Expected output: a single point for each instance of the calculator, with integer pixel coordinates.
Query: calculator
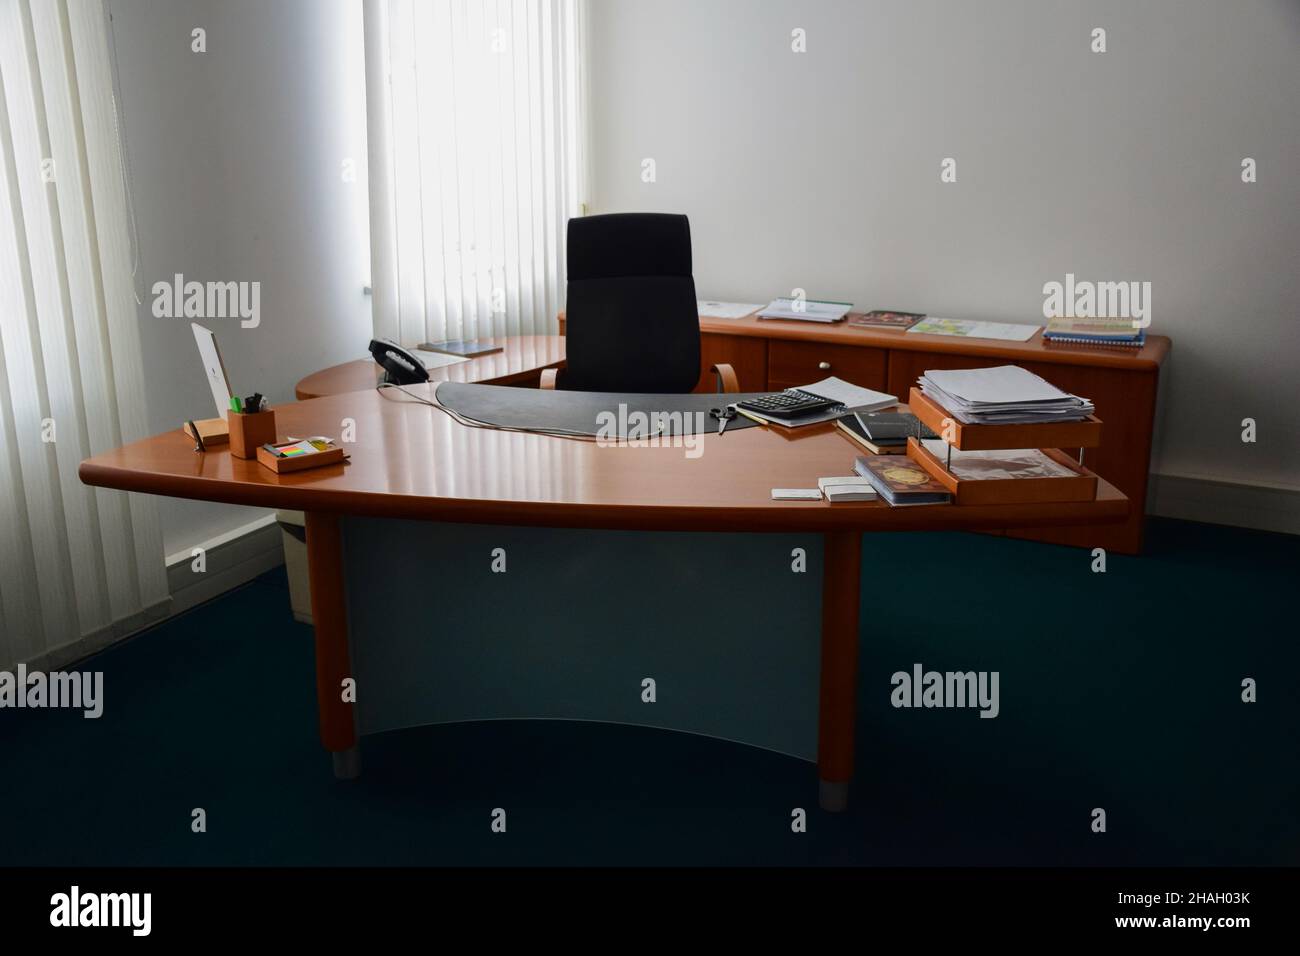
(792, 403)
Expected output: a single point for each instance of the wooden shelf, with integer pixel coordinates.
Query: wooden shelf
(1084, 434)
(1082, 486)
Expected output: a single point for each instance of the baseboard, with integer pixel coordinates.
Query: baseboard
(62, 657)
(1262, 507)
(231, 559)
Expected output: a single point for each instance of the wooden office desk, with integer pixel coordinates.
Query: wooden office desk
(520, 363)
(412, 461)
(1121, 382)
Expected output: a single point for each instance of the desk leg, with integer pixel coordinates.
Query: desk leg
(841, 580)
(329, 614)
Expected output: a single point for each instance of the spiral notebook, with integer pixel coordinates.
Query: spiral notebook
(1107, 333)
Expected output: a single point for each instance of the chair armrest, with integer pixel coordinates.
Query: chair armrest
(727, 381)
(549, 375)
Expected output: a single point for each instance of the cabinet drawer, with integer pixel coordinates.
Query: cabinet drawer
(744, 353)
(790, 364)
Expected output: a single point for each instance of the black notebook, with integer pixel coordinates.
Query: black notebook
(893, 428)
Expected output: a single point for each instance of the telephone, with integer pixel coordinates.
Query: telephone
(400, 366)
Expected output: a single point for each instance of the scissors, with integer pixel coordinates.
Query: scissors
(723, 415)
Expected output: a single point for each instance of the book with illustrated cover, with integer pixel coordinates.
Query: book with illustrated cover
(882, 319)
(901, 481)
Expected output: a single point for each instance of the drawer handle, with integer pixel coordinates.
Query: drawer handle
(824, 366)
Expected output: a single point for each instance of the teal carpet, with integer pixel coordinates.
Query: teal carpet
(1118, 690)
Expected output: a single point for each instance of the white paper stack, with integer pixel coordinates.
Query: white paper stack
(1005, 395)
(848, 488)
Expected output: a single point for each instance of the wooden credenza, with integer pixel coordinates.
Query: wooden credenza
(1121, 382)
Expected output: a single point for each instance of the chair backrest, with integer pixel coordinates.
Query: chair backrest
(632, 323)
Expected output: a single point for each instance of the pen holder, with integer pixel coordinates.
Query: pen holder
(248, 432)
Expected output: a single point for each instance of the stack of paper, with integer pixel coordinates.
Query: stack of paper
(1005, 395)
(806, 310)
(848, 488)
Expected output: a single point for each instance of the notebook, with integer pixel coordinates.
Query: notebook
(806, 310)
(880, 319)
(901, 481)
(891, 427)
(1114, 333)
(847, 397)
(851, 427)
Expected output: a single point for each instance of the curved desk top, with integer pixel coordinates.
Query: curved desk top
(523, 358)
(413, 461)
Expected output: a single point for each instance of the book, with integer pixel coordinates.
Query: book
(462, 347)
(806, 310)
(901, 481)
(850, 427)
(1105, 332)
(893, 427)
(848, 488)
(1136, 343)
(968, 328)
(880, 319)
(725, 310)
(846, 396)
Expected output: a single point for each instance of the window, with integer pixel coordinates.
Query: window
(476, 163)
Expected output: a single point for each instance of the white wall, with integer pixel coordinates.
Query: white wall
(821, 170)
(236, 159)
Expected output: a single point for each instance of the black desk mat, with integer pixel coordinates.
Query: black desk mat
(580, 412)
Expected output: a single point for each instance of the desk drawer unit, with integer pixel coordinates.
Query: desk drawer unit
(791, 364)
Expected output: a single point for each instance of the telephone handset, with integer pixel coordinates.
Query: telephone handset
(400, 366)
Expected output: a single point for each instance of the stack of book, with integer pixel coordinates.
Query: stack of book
(1109, 333)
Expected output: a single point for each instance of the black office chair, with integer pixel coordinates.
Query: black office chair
(632, 324)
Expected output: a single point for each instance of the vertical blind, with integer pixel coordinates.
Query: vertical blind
(476, 163)
(74, 561)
